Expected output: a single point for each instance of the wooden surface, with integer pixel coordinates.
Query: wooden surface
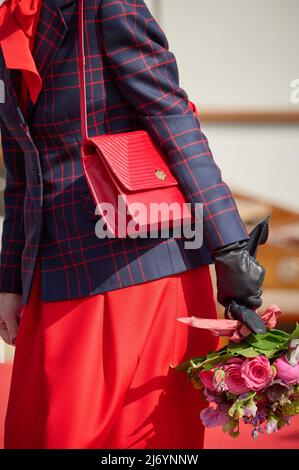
(280, 256)
(245, 117)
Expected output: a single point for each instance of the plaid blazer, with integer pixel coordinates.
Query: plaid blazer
(132, 83)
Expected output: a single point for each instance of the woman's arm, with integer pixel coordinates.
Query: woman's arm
(13, 235)
(147, 74)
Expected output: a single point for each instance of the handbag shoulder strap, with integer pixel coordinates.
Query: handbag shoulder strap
(82, 81)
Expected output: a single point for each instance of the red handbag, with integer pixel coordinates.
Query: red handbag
(126, 170)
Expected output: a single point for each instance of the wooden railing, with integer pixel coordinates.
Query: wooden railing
(247, 117)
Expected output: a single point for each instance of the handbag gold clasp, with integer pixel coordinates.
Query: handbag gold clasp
(161, 175)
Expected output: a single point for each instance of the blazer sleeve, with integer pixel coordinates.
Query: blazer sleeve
(12, 235)
(147, 74)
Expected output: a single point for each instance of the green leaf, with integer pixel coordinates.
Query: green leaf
(230, 396)
(241, 350)
(268, 353)
(236, 410)
(216, 353)
(295, 333)
(271, 345)
(235, 349)
(202, 362)
(249, 352)
(210, 363)
(183, 366)
(232, 428)
(274, 339)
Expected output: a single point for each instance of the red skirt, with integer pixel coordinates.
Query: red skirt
(95, 372)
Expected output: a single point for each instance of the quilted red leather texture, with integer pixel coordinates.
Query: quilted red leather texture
(125, 165)
(134, 160)
(133, 157)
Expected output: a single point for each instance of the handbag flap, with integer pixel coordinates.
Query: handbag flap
(135, 160)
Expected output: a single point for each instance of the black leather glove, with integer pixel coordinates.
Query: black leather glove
(239, 275)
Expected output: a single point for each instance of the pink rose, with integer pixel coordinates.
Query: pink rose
(233, 377)
(257, 373)
(207, 379)
(286, 372)
(270, 316)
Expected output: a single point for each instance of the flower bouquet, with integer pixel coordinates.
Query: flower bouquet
(255, 378)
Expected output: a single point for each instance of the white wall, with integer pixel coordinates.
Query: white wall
(235, 53)
(261, 161)
(149, 4)
(241, 54)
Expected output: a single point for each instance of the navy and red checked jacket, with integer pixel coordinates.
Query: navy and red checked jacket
(132, 83)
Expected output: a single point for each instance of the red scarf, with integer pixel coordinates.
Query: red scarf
(18, 22)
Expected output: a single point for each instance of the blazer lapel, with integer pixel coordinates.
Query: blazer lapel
(51, 29)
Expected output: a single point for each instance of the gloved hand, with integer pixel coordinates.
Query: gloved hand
(239, 275)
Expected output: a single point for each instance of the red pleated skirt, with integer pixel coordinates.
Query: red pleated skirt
(95, 372)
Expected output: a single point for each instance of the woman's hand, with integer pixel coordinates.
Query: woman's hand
(239, 276)
(10, 309)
